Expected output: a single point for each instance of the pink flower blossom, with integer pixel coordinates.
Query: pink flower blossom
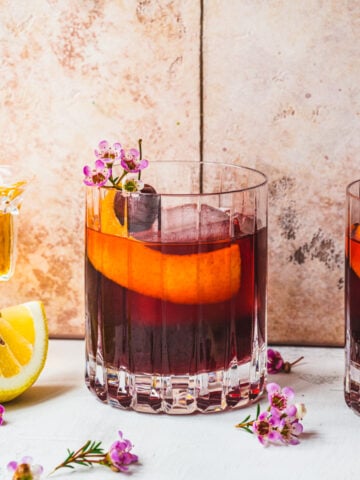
(108, 154)
(131, 185)
(276, 364)
(98, 176)
(2, 411)
(131, 162)
(279, 398)
(265, 428)
(280, 423)
(275, 361)
(120, 455)
(289, 426)
(25, 469)
(108, 159)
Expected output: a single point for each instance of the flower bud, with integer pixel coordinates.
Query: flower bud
(23, 472)
(300, 410)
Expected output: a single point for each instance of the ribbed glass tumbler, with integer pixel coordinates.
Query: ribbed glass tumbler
(352, 297)
(176, 285)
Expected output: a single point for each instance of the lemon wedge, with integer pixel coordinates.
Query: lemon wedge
(23, 347)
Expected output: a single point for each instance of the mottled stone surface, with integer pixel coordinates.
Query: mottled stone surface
(73, 73)
(287, 97)
(281, 93)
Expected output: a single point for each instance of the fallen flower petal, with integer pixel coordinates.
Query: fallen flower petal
(2, 411)
(275, 361)
(276, 364)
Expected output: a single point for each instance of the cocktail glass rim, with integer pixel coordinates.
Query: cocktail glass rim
(349, 187)
(255, 186)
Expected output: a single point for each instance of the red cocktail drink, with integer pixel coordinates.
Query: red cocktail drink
(176, 313)
(352, 307)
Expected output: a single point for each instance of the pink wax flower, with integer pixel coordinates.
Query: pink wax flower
(276, 364)
(275, 361)
(280, 422)
(120, 456)
(25, 469)
(289, 426)
(265, 428)
(279, 398)
(97, 176)
(131, 185)
(105, 171)
(107, 153)
(2, 411)
(131, 162)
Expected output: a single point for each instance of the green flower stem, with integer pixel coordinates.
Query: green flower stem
(247, 423)
(122, 176)
(297, 361)
(140, 147)
(116, 181)
(140, 152)
(287, 365)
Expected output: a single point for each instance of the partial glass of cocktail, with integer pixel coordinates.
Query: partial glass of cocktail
(352, 297)
(12, 187)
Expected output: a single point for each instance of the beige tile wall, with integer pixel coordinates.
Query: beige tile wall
(282, 81)
(281, 93)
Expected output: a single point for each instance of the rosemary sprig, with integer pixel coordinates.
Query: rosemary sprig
(91, 452)
(118, 458)
(247, 423)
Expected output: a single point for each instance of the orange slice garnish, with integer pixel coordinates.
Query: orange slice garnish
(354, 245)
(108, 220)
(207, 277)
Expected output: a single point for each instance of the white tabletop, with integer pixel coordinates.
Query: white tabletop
(58, 413)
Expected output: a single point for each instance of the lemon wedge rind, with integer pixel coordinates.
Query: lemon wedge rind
(24, 375)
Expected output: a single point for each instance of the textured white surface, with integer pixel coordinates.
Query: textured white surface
(58, 413)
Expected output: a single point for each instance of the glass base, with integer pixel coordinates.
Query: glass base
(238, 386)
(352, 387)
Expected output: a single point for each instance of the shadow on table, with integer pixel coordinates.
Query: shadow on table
(38, 394)
(309, 435)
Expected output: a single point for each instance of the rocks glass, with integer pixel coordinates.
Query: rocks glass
(352, 297)
(176, 286)
(12, 187)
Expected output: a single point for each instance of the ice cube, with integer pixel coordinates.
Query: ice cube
(192, 223)
(243, 224)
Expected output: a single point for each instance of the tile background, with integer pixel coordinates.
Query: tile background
(280, 92)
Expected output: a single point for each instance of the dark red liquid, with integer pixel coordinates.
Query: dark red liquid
(352, 299)
(149, 335)
(352, 310)
(353, 305)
